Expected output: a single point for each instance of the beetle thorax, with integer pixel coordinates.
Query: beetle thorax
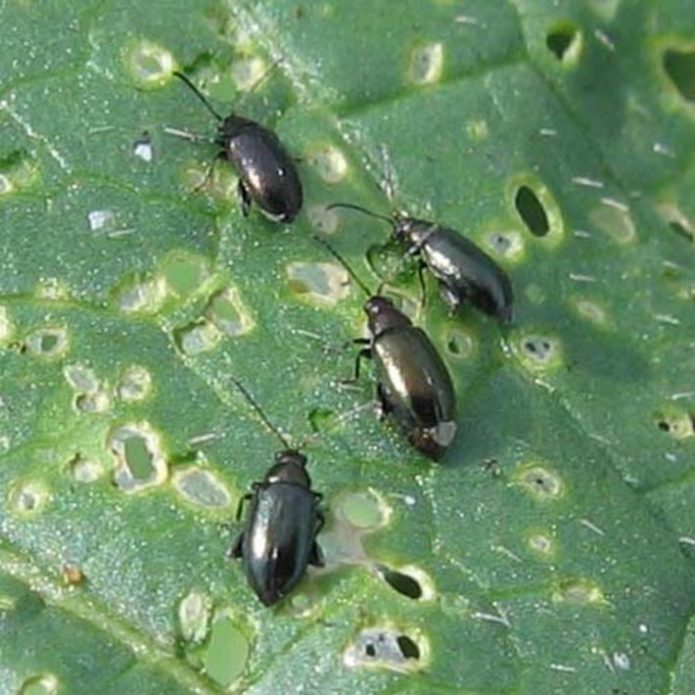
(230, 128)
(382, 315)
(290, 467)
(414, 232)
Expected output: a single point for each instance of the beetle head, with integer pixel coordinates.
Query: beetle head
(290, 467)
(382, 314)
(402, 225)
(408, 229)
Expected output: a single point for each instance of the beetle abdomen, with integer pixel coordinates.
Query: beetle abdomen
(278, 541)
(417, 387)
(267, 170)
(468, 273)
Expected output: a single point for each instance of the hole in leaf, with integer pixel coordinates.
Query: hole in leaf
(386, 648)
(539, 348)
(402, 583)
(140, 462)
(363, 510)
(676, 423)
(531, 211)
(226, 652)
(541, 482)
(562, 40)
(680, 67)
(138, 457)
(43, 684)
(408, 647)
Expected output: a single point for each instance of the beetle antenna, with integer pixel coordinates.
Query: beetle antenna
(260, 412)
(359, 208)
(257, 83)
(345, 265)
(198, 93)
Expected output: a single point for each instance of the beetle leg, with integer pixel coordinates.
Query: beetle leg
(321, 520)
(245, 198)
(423, 289)
(236, 549)
(383, 405)
(449, 296)
(208, 172)
(240, 508)
(362, 354)
(316, 555)
(357, 341)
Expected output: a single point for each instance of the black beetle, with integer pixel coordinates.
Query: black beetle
(464, 271)
(267, 173)
(279, 539)
(413, 384)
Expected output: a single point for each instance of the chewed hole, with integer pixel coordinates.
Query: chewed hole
(81, 378)
(139, 460)
(202, 488)
(578, 591)
(150, 64)
(426, 63)
(85, 470)
(247, 72)
(142, 296)
(387, 648)
(459, 343)
(615, 220)
(541, 543)
(135, 384)
(48, 342)
(41, 684)
(408, 647)
(227, 651)
(539, 352)
(197, 337)
(677, 424)
(363, 510)
(29, 497)
(329, 162)
(531, 211)
(507, 243)
(184, 273)
(323, 220)
(194, 616)
(227, 311)
(539, 348)
(680, 68)
(98, 402)
(564, 41)
(403, 583)
(326, 283)
(541, 481)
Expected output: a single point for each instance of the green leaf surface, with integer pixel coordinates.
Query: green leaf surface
(551, 551)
